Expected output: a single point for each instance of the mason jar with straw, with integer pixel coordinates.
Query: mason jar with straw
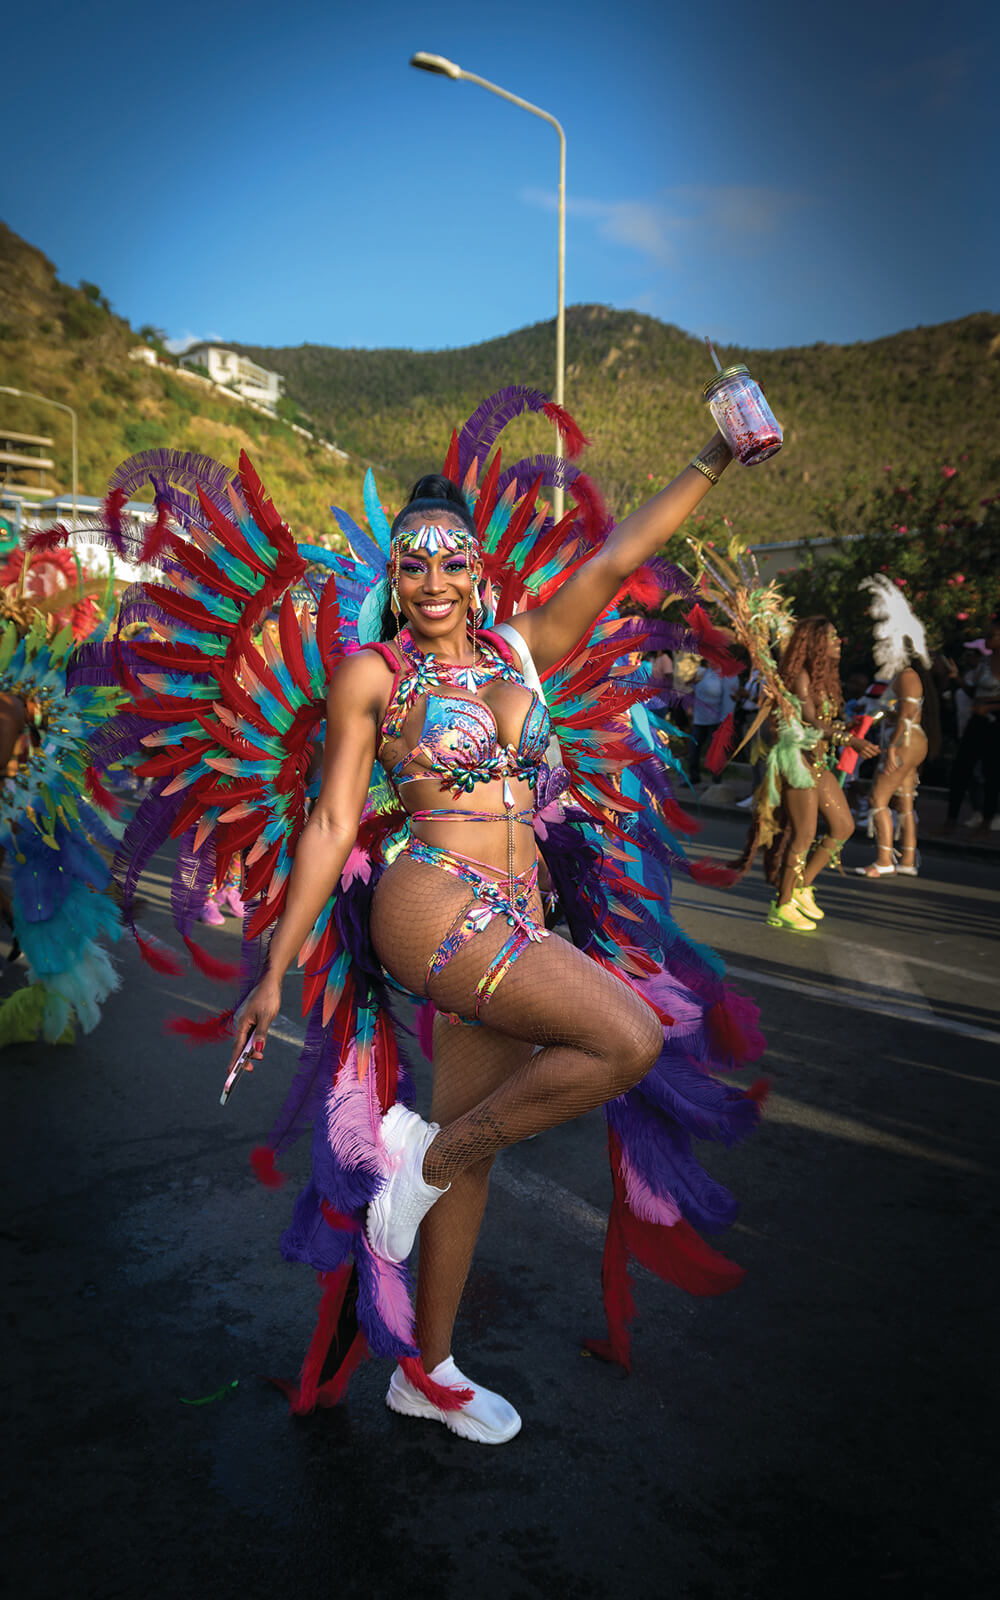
(742, 415)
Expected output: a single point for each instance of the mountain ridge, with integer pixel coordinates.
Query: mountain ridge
(913, 401)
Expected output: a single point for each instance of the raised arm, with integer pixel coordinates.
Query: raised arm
(354, 707)
(552, 630)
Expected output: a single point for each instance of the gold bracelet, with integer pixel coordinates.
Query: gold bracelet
(706, 472)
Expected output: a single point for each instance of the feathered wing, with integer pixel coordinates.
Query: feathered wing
(55, 822)
(225, 657)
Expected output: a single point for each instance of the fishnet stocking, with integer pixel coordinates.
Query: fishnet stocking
(559, 1036)
(597, 1037)
(469, 1063)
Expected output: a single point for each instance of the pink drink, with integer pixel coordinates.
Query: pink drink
(743, 416)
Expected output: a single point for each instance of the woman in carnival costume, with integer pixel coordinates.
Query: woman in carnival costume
(446, 780)
(57, 822)
(802, 702)
(910, 731)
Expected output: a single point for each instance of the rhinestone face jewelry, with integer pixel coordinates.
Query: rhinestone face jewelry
(431, 539)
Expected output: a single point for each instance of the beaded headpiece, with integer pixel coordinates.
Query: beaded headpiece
(430, 539)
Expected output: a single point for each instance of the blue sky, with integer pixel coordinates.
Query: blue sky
(774, 174)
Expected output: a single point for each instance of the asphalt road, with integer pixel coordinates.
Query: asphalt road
(824, 1431)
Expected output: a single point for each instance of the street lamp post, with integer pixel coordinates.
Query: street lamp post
(28, 394)
(448, 69)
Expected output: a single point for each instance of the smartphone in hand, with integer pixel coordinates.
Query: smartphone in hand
(239, 1065)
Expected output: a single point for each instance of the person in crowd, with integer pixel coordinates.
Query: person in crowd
(910, 727)
(980, 740)
(714, 698)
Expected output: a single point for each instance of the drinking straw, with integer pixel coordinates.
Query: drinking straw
(711, 351)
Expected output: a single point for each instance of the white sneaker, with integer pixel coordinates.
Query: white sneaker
(487, 1418)
(975, 821)
(744, 805)
(404, 1200)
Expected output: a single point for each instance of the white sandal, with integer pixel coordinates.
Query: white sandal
(875, 871)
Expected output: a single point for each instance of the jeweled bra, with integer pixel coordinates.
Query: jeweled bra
(460, 742)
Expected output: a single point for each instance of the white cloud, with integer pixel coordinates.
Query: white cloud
(723, 213)
(180, 344)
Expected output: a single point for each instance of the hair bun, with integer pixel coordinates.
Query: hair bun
(433, 486)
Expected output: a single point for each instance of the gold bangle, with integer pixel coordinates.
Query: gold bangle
(706, 472)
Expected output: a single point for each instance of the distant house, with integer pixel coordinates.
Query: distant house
(144, 352)
(236, 372)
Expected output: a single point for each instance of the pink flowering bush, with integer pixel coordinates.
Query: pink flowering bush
(945, 557)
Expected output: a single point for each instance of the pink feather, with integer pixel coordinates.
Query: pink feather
(353, 1119)
(642, 1201)
(392, 1297)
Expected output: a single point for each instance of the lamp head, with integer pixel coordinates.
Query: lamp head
(439, 64)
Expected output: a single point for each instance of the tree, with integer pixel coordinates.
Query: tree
(943, 553)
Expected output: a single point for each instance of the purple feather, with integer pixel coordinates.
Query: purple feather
(193, 875)
(487, 422)
(181, 468)
(384, 1309)
(309, 1237)
(309, 1088)
(148, 830)
(660, 1151)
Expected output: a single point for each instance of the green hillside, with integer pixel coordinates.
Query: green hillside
(914, 401)
(67, 344)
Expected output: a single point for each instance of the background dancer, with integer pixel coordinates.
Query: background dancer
(810, 667)
(910, 730)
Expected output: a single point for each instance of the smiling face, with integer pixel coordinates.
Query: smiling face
(435, 584)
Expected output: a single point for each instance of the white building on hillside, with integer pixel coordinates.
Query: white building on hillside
(236, 372)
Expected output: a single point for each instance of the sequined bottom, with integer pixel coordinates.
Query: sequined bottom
(492, 900)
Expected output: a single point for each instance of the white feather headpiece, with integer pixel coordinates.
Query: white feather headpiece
(899, 633)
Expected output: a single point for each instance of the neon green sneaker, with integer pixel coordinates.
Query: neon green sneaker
(806, 902)
(789, 917)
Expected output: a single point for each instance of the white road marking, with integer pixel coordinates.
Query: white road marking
(835, 1125)
(884, 970)
(557, 1203)
(875, 1001)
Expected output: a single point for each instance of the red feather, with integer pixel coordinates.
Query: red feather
(159, 958)
(305, 1395)
(264, 1169)
(677, 819)
(211, 1031)
(451, 459)
(221, 971)
(47, 538)
(733, 1031)
(113, 507)
(711, 873)
(718, 749)
(711, 644)
(574, 442)
(439, 1394)
(159, 535)
(487, 494)
(98, 792)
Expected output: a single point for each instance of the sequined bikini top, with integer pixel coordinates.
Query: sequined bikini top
(460, 742)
